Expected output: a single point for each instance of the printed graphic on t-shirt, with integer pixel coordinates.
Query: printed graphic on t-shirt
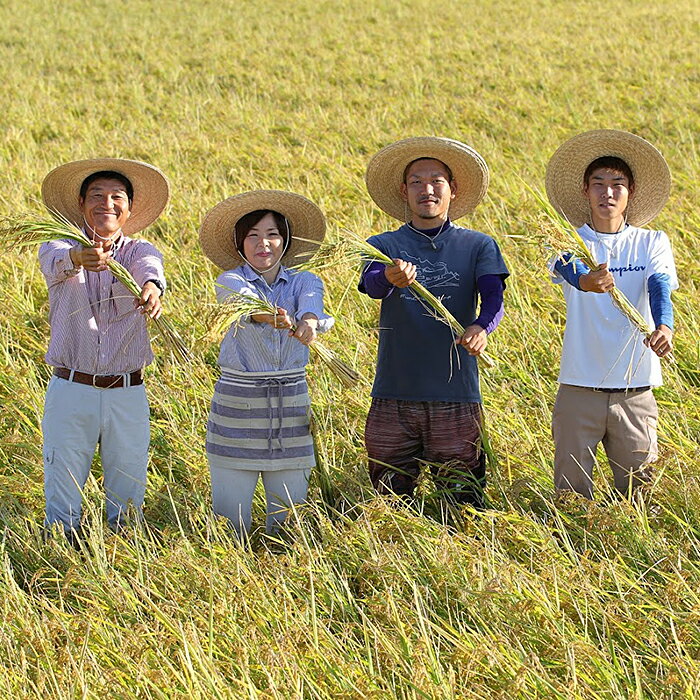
(619, 271)
(431, 275)
(601, 349)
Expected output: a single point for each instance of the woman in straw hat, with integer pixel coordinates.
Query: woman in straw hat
(610, 183)
(426, 403)
(259, 418)
(99, 343)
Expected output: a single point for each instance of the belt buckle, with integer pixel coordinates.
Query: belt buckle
(99, 377)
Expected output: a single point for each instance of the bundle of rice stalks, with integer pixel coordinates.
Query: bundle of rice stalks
(238, 307)
(560, 236)
(359, 247)
(24, 231)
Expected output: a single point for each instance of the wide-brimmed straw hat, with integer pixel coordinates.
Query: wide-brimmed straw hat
(306, 220)
(384, 175)
(61, 189)
(564, 181)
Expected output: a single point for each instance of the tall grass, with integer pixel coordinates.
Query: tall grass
(360, 599)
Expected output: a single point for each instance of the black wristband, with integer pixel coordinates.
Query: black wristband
(158, 284)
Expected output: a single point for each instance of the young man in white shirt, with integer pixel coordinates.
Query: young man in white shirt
(610, 183)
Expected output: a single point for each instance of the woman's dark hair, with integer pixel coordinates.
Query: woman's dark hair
(609, 163)
(108, 175)
(245, 223)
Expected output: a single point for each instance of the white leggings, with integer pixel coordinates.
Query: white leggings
(232, 494)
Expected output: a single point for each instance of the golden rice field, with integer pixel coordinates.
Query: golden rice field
(359, 599)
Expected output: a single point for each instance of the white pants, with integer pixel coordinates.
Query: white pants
(76, 419)
(232, 494)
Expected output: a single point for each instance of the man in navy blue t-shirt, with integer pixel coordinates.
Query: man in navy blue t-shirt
(426, 404)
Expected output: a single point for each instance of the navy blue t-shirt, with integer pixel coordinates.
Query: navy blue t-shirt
(417, 359)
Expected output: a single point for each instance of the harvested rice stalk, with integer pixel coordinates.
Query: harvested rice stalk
(25, 231)
(239, 306)
(558, 234)
(359, 247)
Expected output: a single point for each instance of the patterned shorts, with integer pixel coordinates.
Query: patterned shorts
(400, 435)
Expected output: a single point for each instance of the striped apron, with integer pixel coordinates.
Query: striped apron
(260, 421)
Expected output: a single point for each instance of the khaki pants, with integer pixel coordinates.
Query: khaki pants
(625, 422)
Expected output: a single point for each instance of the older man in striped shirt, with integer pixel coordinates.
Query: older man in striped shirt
(99, 342)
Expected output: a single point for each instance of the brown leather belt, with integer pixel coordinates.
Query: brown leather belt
(100, 381)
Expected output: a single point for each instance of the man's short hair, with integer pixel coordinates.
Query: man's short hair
(245, 223)
(108, 175)
(408, 167)
(609, 163)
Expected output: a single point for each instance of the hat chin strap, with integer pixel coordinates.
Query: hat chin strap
(261, 272)
(622, 225)
(116, 234)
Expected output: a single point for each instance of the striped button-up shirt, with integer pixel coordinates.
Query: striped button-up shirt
(95, 327)
(258, 347)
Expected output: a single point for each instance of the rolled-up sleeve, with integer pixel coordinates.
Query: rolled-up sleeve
(147, 264)
(310, 296)
(55, 261)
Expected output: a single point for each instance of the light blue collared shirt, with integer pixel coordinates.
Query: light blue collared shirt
(258, 347)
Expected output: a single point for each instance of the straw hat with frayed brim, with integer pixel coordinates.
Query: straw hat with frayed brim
(384, 175)
(306, 220)
(61, 189)
(652, 178)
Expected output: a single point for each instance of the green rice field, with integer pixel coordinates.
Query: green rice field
(358, 599)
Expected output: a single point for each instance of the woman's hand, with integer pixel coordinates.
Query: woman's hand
(279, 320)
(305, 332)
